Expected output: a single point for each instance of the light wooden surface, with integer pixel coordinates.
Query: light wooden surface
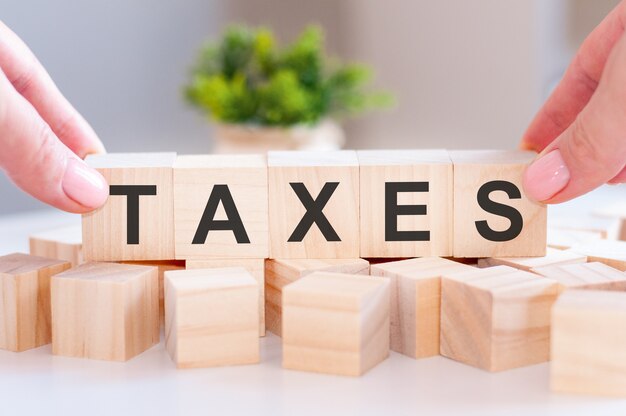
(562, 238)
(597, 276)
(211, 317)
(378, 167)
(608, 227)
(335, 323)
(615, 210)
(611, 253)
(105, 311)
(64, 243)
(553, 257)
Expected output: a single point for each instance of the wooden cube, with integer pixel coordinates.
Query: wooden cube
(406, 203)
(492, 215)
(607, 227)
(255, 267)
(25, 300)
(335, 323)
(611, 253)
(281, 272)
(552, 257)
(416, 302)
(65, 243)
(596, 276)
(615, 211)
(211, 317)
(496, 318)
(105, 311)
(562, 239)
(314, 204)
(220, 206)
(137, 221)
(589, 343)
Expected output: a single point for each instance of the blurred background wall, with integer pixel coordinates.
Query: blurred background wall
(467, 74)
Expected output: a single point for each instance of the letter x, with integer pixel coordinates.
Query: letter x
(314, 212)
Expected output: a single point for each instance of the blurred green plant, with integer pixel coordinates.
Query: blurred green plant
(247, 78)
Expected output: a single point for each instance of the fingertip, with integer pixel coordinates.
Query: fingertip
(84, 185)
(546, 176)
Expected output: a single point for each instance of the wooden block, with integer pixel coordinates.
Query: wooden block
(220, 206)
(615, 211)
(64, 243)
(492, 215)
(281, 272)
(416, 302)
(211, 317)
(137, 221)
(589, 343)
(496, 318)
(406, 203)
(595, 276)
(255, 267)
(552, 257)
(609, 228)
(562, 239)
(335, 323)
(25, 300)
(314, 204)
(105, 311)
(611, 253)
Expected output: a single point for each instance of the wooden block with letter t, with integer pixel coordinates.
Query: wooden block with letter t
(314, 204)
(137, 221)
(65, 243)
(406, 204)
(492, 215)
(220, 206)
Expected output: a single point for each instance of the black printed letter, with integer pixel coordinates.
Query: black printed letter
(132, 193)
(502, 210)
(233, 223)
(392, 210)
(314, 212)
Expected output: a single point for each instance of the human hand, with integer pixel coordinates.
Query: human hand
(581, 129)
(42, 137)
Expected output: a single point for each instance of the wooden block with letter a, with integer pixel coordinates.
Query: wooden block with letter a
(281, 272)
(406, 204)
(220, 206)
(65, 243)
(492, 215)
(314, 204)
(105, 311)
(596, 276)
(416, 302)
(496, 318)
(211, 317)
(611, 253)
(553, 257)
(588, 349)
(335, 323)
(255, 267)
(25, 300)
(137, 221)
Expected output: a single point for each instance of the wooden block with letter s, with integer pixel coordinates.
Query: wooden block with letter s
(64, 243)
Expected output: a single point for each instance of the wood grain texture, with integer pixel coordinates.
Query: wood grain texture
(314, 170)
(472, 169)
(416, 302)
(211, 317)
(335, 323)
(105, 311)
(378, 167)
(611, 253)
(25, 300)
(496, 318)
(281, 272)
(256, 268)
(553, 257)
(589, 343)
(105, 229)
(194, 180)
(562, 239)
(65, 243)
(596, 276)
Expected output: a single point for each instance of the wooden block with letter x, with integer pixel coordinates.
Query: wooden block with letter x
(596, 276)
(492, 215)
(406, 204)
(65, 243)
(137, 221)
(553, 257)
(314, 204)
(220, 206)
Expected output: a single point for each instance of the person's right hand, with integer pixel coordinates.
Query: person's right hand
(42, 137)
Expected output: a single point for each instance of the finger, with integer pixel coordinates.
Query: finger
(620, 178)
(34, 158)
(578, 84)
(32, 81)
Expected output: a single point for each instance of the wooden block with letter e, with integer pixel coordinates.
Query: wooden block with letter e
(335, 323)
(553, 257)
(220, 206)
(588, 349)
(611, 253)
(416, 302)
(137, 221)
(65, 243)
(281, 272)
(496, 318)
(492, 215)
(105, 311)
(406, 204)
(314, 204)
(255, 267)
(211, 317)
(596, 276)
(25, 300)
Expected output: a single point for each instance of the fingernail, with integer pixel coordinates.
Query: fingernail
(84, 184)
(546, 176)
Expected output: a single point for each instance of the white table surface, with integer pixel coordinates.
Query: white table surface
(37, 383)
